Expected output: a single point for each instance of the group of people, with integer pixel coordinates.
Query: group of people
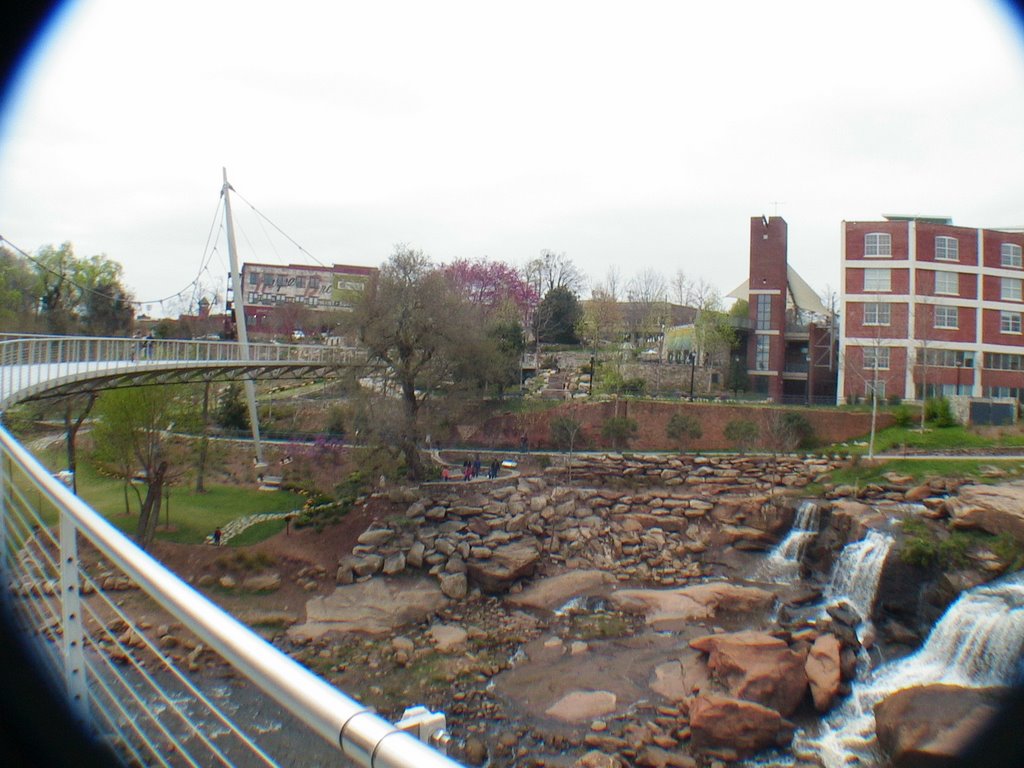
(472, 469)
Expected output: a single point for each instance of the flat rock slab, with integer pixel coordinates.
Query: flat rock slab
(371, 607)
(665, 608)
(579, 706)
(556, 591)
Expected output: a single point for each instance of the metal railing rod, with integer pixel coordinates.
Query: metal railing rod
(340, 720)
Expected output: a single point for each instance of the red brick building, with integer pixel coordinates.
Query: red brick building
(931, 309)
(791, 352)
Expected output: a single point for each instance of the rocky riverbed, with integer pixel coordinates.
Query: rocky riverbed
(625, 617)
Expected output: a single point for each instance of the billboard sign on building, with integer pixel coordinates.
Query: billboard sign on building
(319, 288)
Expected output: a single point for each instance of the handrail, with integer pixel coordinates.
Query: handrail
(30, 363)
(342, 721)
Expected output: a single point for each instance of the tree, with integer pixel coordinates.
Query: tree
(564, 432)
(557, 317)
(681, 288)
(554, 270)
(414, 326)
(742, 433)
(682, 428)
(129, 432)
(232, 412)
(104, 306)
(80, 406)
(619, 430)
(18, 297)
(492, 285)
(713, 330)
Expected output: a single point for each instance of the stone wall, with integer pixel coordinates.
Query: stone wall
(494, 534)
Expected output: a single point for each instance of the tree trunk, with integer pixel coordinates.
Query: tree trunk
(204, 442)
(71, 431)
(413, 465)
(150, 513)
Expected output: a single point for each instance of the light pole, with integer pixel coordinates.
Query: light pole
(959, 366)
(693, 370)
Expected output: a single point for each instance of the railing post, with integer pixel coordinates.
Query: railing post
(6, 479)
(71, 619)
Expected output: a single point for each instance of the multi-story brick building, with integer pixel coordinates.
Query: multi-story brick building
(790, 344)
(931, 309)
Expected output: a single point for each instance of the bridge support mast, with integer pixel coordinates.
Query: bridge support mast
(243, 335)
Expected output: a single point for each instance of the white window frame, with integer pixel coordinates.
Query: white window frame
(1009, 288)
(873, 281)
(944, 322)
(878, 245)
(947, 248)
(1009, 322)
(877, 387)
(879, 358)
(953, 277)
(1010, 256)
(877, 313)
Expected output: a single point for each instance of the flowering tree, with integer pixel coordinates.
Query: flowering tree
(492, 284)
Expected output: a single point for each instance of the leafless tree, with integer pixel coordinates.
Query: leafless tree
(554, 270)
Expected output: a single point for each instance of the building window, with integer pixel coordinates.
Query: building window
(877, 280)
(877, 244)
(1009, 288)
(764, 312)
(1014, 392)
(945, 358)
(1001, 361)
(1009, 255)
(876, 387)
(877, 313)
(268, 279)
(253, 278)
(947, 317)
(947, 282)
(761, 353)
(876, 358)
(1009, 322)
(947, 249)
(300, 282)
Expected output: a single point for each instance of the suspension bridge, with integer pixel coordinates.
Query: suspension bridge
(131, 694)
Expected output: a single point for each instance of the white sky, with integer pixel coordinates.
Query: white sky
(635, 134)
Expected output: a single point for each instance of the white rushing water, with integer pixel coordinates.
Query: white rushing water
(783, 562)
(857, 572)
(978, 642)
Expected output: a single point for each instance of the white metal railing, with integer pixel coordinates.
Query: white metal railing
(29, 364)
(133, 692)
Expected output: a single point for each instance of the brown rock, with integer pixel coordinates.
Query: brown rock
(993, 508)
(666, 607)
(757, 667)
(823, 671)
(555, 591)
(508, 563)
(932, 723)
(579, 706)
(595, 759)
(747, 727)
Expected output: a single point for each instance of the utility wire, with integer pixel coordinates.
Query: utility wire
(283, 233)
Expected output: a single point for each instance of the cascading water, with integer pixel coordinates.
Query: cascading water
(856, 573)
(978, 642)
(783, 562)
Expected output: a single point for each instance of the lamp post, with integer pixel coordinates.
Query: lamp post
(693, 369)
(959, 365)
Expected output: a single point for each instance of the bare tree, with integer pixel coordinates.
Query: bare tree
(681, 288)
(647, 287)
(553, 270)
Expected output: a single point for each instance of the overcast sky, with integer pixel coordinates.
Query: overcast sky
(633, 134)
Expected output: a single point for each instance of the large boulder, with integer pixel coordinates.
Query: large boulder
(756, 666)
(371, 607)
(507, 564)
(665, 608)
(993, 508)
(744, 726)
(823, 671)
(928, 724)
(582, 705)
(556, 591)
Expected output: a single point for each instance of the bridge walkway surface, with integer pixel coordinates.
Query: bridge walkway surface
(64, 570)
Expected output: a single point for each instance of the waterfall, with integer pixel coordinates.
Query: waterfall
(783, 562)
(856, 573)
(978, 642)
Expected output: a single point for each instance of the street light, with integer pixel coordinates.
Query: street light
(959, 365)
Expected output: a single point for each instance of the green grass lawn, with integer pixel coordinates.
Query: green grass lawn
(192, 516)
(893, 440)
(864, 473)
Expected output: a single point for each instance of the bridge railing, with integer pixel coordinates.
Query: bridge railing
(208, 692)
(27, 360)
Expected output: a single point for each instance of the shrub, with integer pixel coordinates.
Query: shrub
(566, 432)
(903, 416)
(938, 412)
(919, 552)
(619, 430)
(742, 433)
(894, 399)
(682, 428)
(800, 428)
